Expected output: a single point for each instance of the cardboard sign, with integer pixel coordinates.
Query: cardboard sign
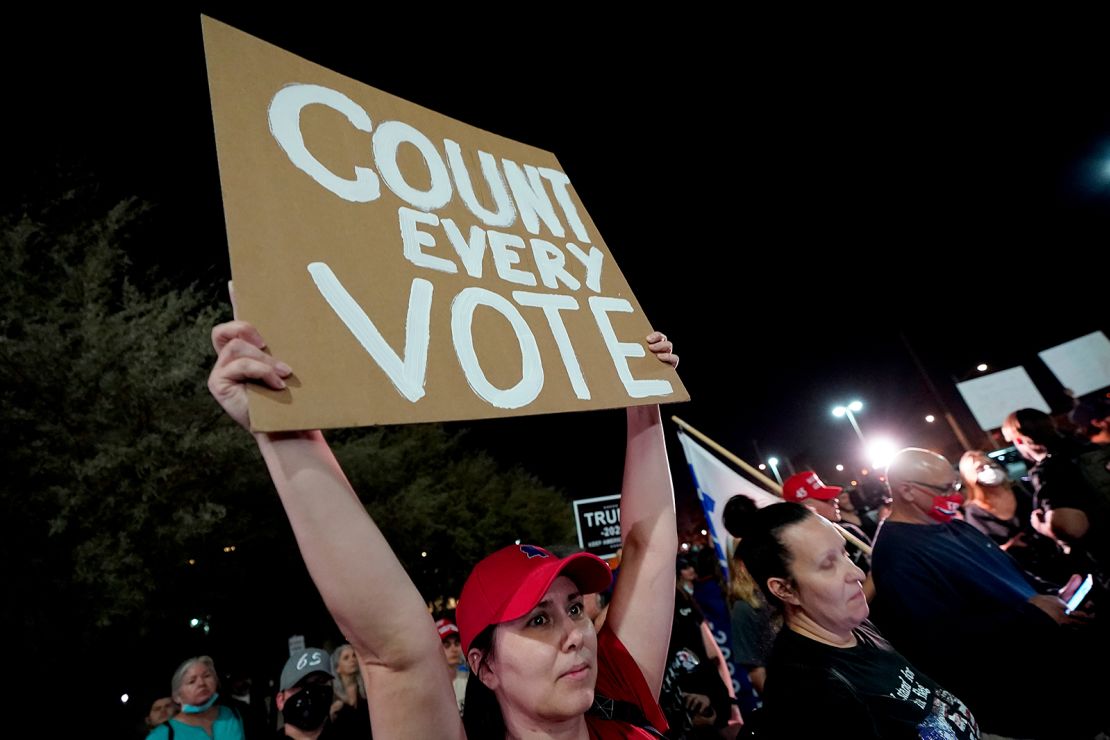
(599, 525)
(993, 397)
(1081, 365)
(407, 266)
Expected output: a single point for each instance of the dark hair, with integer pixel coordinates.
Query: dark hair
(482, 717)
(1034, 424)
(760, 534)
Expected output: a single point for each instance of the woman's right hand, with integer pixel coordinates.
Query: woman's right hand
(241, 360)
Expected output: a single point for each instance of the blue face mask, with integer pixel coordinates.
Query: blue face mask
(198, 708)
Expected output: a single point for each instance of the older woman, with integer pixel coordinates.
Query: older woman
(195, 687)
(830, 673)
(538, 668)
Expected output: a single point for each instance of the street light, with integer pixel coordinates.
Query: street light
(848, 411)
(774, 463)
(930, 418)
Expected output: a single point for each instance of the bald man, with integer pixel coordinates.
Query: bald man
(961, 610)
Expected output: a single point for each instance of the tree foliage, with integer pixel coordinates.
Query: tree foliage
(119, 468)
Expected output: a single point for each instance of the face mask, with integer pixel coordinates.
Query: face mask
(308, 708)
(992, 476)
(198, 708)
(945, 507)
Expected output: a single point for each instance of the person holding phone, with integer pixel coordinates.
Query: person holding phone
(958, 607)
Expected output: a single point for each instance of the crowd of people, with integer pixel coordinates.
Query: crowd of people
(940, 613)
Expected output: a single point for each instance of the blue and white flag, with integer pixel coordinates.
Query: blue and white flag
(716, 484)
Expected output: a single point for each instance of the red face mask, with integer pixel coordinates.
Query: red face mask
(945, 507)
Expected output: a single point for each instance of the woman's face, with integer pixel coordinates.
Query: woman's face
(544, 665)
(348, 662)
(827, 585)
(198, 685)
(972, 464)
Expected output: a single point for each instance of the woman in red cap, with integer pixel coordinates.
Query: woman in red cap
(539, 669)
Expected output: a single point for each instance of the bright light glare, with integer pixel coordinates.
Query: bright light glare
(774, 461)
(880, 452)
(855, 406)
(840, 468)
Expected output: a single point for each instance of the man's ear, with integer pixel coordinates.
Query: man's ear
(783, 590)
(903, 491)
(279, 700)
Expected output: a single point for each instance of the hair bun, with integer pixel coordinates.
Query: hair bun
(739, 515)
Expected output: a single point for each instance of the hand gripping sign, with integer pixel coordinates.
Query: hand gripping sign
(407, 266)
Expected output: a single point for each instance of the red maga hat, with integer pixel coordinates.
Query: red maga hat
(806, 485)
(507, 584)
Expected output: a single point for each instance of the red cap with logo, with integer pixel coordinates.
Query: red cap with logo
(806, 485)
(507, 584)
(446, 628)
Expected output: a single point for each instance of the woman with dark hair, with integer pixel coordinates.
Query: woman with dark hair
(534, 656)
(830, 673)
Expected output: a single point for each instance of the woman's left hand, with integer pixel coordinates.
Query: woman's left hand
(662, 348)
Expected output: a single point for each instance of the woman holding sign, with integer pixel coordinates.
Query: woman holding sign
(537, 665)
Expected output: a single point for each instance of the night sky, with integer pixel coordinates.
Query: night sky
(794, 203)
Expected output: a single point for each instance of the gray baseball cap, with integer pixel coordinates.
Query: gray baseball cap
(304, 663)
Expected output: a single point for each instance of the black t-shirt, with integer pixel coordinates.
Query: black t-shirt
(866, 691)
(1059, 483)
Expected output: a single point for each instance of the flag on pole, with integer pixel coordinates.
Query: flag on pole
(716, 484)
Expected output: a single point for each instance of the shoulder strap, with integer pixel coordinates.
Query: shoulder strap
(622, 711)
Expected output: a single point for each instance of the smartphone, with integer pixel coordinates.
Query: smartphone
(1080, 594)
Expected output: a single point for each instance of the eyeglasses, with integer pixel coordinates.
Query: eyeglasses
(953, 487)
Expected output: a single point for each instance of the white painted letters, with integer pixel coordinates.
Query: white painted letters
(389, 136)
(505, 214)
(408, 374)
(551, 305)
(462, 319)
(412, 239)
(621, 351)
(285, 126)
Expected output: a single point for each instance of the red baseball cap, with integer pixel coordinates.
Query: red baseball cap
(507, 584)
(446, 628)
(806, 485)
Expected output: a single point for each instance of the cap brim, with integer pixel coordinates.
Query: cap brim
(827, 493)
(589, 573)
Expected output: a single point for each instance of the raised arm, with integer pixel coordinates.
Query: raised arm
(643, 602)
(360, 579)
